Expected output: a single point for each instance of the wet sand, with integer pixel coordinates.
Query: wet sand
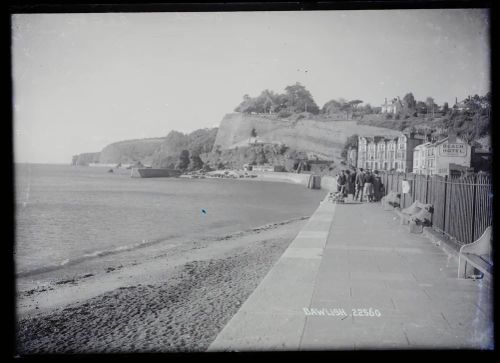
(178, 300)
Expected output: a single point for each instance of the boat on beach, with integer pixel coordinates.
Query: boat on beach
(154, 173)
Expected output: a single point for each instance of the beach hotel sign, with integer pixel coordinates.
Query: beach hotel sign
(455, 149)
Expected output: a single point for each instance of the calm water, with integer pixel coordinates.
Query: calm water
(68, 213)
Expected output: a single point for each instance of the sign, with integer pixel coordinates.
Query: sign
(405, 186)
(453, 150)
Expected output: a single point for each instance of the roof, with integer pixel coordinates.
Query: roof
(421, 146)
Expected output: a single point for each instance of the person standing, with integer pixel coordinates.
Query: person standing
(341, 183)
(360, 182)
(349, 184)
(377, 186)
(352, 178)
(368, 190)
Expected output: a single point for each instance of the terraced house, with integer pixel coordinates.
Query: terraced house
(387, 152)
(443, 157)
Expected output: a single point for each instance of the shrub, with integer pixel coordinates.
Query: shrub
(284, 114)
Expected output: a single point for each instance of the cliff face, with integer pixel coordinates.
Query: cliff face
(85, 159)
(197, 142)
(130, 151)
(324, 138)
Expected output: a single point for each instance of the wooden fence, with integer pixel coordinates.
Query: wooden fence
(463, 206)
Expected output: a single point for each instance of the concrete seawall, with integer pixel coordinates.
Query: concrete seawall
(272, 317)
(327, 182)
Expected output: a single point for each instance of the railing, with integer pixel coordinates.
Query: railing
(463, 206)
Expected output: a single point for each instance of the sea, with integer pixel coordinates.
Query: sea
(71, 214)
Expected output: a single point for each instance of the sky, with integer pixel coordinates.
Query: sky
(82, 81)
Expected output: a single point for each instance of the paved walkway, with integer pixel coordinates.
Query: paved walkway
(354, 278)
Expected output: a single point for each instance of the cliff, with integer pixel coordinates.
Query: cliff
(85, 159)
(130, 151)
(322, 137)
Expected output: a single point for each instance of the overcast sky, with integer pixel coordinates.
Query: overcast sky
(82, 81)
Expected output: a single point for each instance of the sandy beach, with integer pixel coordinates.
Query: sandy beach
(177, 300)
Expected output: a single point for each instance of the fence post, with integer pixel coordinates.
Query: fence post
(427, 189)
(474, 207)
(444, 204)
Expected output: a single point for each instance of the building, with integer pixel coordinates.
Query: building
(394, 107)
(256, 141)
(387, 153)
(263, 167)
(442, 157)
(420, 158)
(352, 157)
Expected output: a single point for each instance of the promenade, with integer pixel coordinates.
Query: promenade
(354, 278)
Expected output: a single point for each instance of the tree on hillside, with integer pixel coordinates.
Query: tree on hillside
(421, 107)
(245, 105)
(299, 99)
(446, 108)
(295, 100)
(409, 102)
(196, 163)
(351, 142)
(183, 162)
(354, 104)
(331, 107)
(429, 102)
(367, 109)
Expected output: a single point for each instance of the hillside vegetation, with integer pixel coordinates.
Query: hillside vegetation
(130, 151)
(182, 151)
(287, 128)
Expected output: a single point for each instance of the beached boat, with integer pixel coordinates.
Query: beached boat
(154, 173)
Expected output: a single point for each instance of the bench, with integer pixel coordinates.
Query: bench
(406, 213)
(421, 219)
(476, 256)
(391, 201)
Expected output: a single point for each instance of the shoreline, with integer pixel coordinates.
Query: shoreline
(166, 289)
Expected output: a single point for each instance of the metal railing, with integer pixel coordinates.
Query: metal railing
(463, 206)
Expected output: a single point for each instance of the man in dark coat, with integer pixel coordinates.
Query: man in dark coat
(359, 183)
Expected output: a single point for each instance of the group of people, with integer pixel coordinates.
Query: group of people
(362, 182)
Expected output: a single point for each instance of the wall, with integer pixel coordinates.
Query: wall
(327, 182)
(442, 161)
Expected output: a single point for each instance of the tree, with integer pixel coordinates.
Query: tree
(196, 163)
(299, 99)
(253, 133)
(429, 102)
(183, 162)
(446, 108)
(409, 102)
(331, 107)
(421, 107)
(354, 103)
(350, 143)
